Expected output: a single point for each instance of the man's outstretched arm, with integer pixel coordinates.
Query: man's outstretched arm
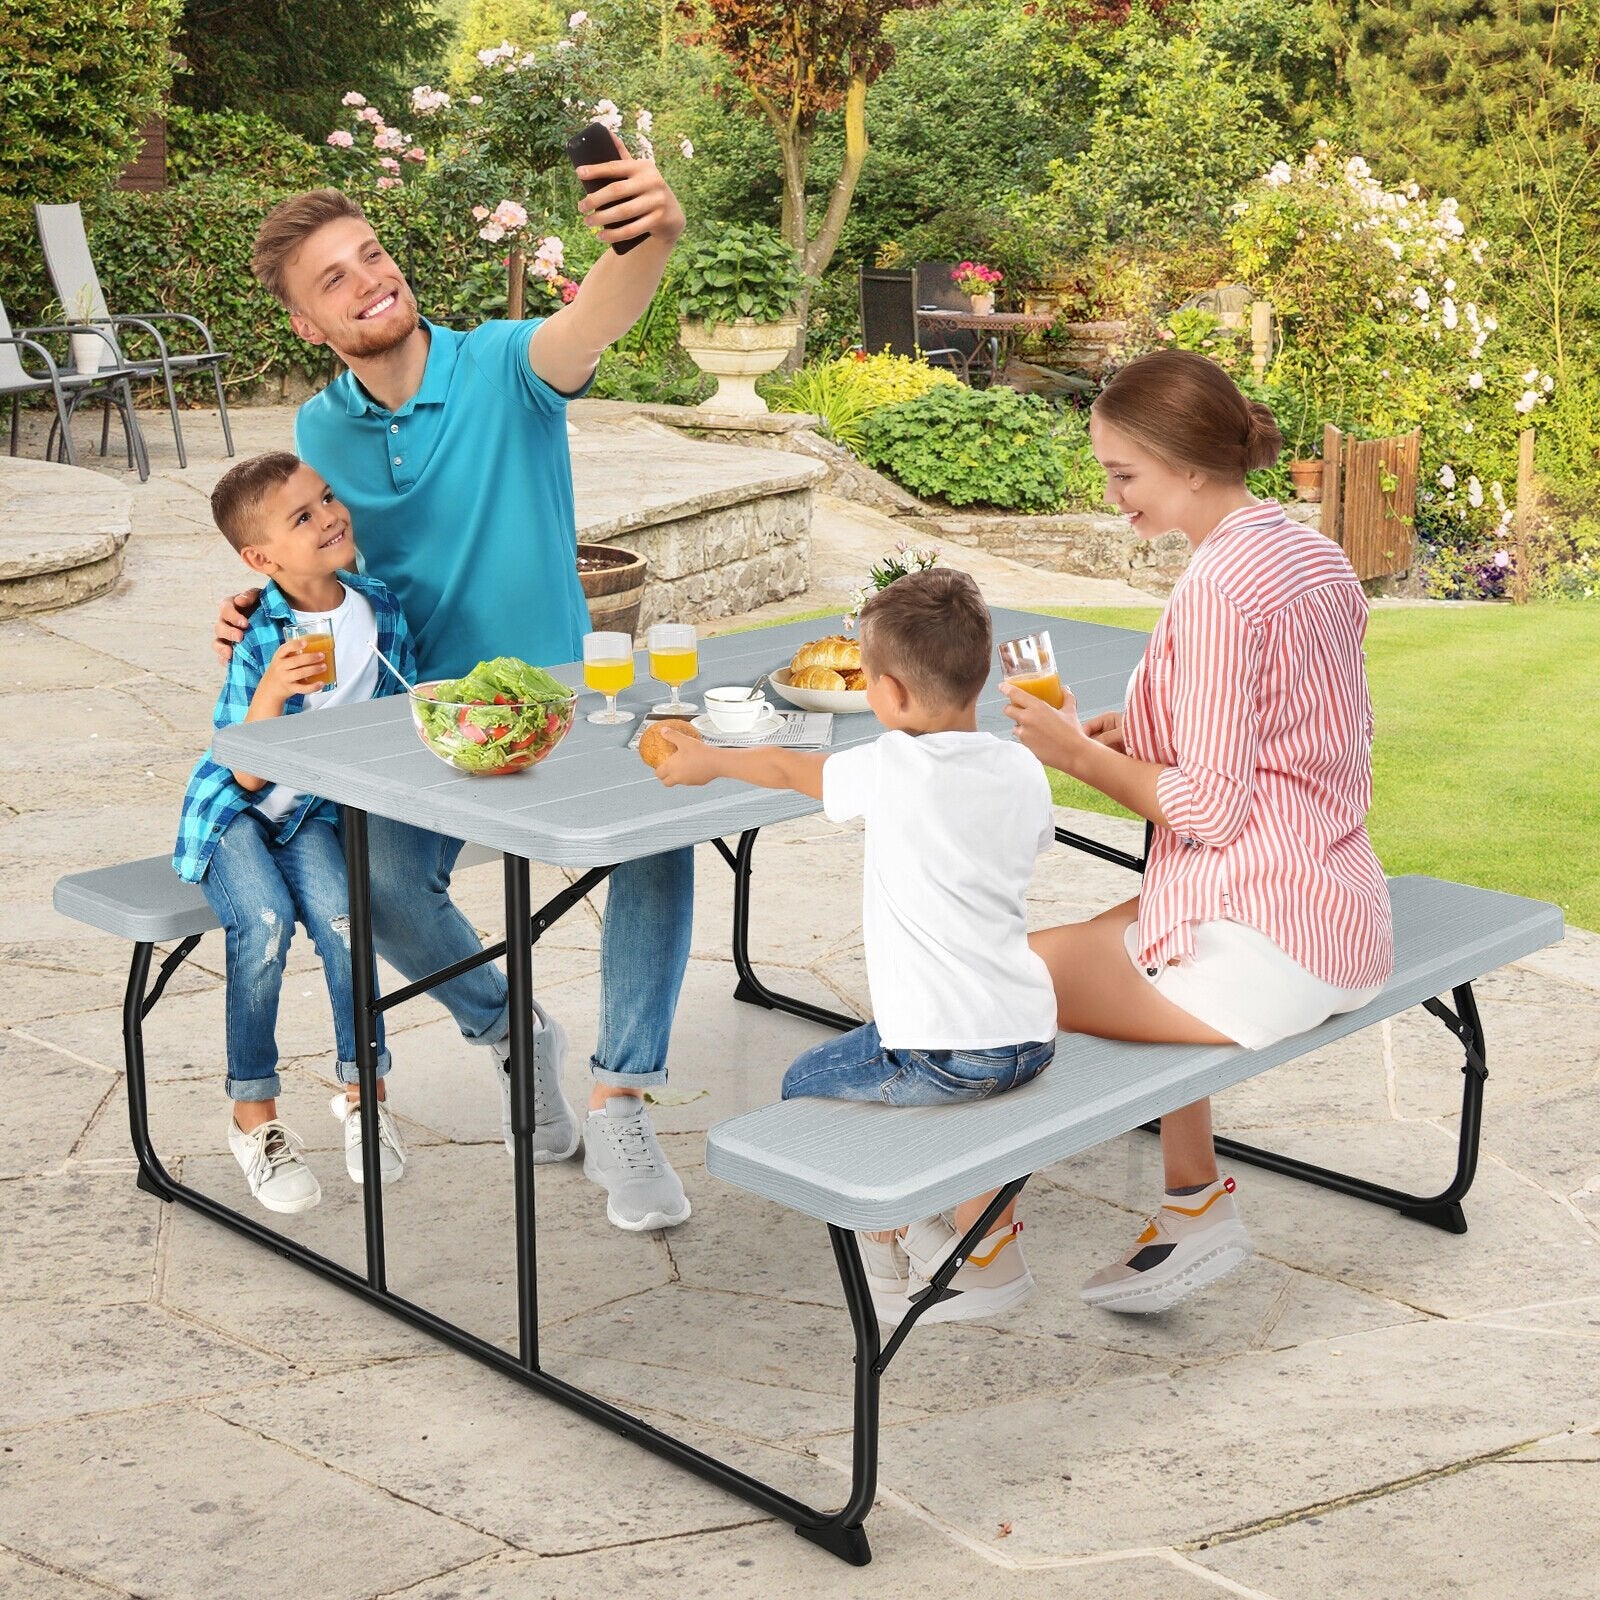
(565, 348)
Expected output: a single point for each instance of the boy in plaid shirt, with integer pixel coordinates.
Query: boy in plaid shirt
(264, 855)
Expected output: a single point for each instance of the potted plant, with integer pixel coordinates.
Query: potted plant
(736, 310)
(89, 351)
(973, 278)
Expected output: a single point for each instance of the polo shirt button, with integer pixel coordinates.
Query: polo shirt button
(398, 460)
(394, 427)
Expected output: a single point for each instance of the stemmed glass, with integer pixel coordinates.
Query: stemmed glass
(608, 669)
(1029, 663)
(674, 660)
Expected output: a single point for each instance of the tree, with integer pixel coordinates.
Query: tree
(81, 78)
(293, 58)
(484, 23)
(798, 60)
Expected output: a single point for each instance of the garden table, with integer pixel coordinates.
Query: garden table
(589, 806)
(994, 332)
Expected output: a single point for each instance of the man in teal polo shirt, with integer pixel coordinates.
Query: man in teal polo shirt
(450, 451)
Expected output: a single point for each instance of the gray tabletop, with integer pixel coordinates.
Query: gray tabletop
(592, 801)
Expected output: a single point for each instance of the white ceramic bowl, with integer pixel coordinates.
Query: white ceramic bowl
(732, 710)
(837, 700)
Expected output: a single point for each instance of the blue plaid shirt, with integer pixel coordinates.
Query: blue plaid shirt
(214, 796)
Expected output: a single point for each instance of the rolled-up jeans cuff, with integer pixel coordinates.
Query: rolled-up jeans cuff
(642, 1082)
(349, 1073)
(266, 1088)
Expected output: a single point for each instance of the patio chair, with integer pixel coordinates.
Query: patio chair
(933, 290)
(68, 390)
(66, 255)
(889, 314)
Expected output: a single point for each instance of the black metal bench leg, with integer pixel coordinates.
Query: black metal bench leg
(1442, 1210)
(750, 988)
(136, 1005)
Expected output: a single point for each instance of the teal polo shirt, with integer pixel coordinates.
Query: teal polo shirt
(461, 500)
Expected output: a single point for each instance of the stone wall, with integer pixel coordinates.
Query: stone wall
(722, 562)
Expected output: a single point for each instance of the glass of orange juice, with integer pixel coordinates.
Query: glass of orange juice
(608, 670)
(316, 638)
(674, 660)
(1030, 664)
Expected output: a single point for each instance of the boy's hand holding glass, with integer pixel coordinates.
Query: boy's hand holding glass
(674, 660)
(293, 670)
(608, 669)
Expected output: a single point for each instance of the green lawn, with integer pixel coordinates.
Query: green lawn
(1486, 767)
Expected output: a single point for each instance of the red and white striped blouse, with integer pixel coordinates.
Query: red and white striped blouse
(1253, 694)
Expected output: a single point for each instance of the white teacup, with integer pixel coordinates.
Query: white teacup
(733, 710)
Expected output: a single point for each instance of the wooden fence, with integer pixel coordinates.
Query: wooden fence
(1369, 499)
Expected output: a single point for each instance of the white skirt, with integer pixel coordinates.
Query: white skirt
(1244, 986)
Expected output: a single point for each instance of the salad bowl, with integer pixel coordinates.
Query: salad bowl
(504, 716)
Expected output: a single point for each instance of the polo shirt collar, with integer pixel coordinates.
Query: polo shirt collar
(432, 391)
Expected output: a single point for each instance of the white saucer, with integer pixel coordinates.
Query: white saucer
(760, 729)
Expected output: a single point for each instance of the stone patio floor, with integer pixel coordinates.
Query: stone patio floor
(1369, 1410)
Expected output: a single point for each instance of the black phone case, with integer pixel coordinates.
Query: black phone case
(595, 144)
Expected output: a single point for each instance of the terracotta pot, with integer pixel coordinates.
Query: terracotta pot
(736, 354)
(613, 584)
(1306, 476)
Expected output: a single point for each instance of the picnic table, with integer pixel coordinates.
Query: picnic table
(590, 805)
(993, 332)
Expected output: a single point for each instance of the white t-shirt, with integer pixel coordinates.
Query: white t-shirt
(955, 822)
(355, 632)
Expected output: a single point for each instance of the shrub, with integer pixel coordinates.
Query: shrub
(733, 271)
(1085, 488)
(844, 392)
(969, 446)
(202, 144)
(81, 78)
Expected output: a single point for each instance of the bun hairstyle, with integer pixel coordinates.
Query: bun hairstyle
(1190, 413)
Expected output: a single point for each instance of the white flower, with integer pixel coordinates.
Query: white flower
(577, 20)
(1447, 476)
(644, 121)
(353, 99)
(1490, 324)
(474, 99)
(686, 149)
(564, 44)
(1474, 493)
(1448, 313)
(550, 251)
(509, 216)
(1531, 375)
(1497, 493)
(1529, 400)
(1475, 380)
(1548, 383)
(1466, 427)
(1449, 285)
(492, 232)
(1419, 298)
(425, 100)
(607, 115)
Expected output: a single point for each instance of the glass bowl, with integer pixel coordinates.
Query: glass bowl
(486, 739)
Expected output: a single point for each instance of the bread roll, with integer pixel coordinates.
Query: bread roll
(816, 678)
(836, 652)
(653, 749)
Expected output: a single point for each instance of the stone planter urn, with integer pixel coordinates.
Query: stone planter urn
(613, 585)
(1306, 476)
(736, 354)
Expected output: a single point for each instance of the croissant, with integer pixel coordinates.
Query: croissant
(854, 678)
(815, 678)
(836, 652)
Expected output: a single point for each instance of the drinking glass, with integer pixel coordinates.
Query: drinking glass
(608, 669)
(674, 660)
(1030, 664)
(316, 638)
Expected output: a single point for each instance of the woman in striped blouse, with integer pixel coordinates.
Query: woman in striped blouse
(1247, 741)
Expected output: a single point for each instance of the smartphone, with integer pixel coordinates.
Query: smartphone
(587, 148)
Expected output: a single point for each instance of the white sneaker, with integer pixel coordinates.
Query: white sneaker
(270, 1156)
(991, 1280)
(622, 1154)
(888, 1271)
(391, 1149)
(1193, 1240)
(555, 1124)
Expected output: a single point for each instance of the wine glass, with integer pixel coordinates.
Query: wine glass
(674, 660)
(608, 669)
(1029, 663)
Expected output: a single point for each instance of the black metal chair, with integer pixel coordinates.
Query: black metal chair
(69, 389)
(77, 285)
(889, 315)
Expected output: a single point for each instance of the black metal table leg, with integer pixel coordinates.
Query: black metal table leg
(363, 987)
(519, 994)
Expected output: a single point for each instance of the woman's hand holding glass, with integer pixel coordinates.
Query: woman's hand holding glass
(1056, 737)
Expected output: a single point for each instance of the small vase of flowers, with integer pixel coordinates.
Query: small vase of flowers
(978, 282)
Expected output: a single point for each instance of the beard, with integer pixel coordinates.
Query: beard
(363, 341)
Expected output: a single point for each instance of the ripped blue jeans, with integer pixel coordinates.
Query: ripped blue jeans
(259, 890)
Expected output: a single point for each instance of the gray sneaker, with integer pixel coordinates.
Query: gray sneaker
(622, 1154)
(555, 1123)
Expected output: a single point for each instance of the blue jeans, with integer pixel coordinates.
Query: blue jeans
(858, 1066)
(259, 890)
(644, 947)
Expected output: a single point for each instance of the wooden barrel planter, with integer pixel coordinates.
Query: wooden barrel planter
(613, 585)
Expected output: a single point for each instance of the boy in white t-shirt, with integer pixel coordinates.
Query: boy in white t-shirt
(265, 856)
(955, 820)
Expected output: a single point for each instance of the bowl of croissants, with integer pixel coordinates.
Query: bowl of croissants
(824, 675)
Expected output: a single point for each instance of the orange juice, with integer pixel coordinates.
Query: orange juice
(608, 677)
(1045, 686)
(320, 644)
(674, 666)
